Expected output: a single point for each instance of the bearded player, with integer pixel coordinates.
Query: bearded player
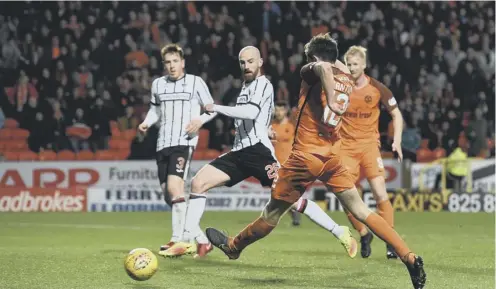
(324, 95)
(360, 147)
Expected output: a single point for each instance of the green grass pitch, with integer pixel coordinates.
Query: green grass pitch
(69, 251)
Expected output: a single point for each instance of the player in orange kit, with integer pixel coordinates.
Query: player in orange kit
(324, 96)
(361, 144)
(284, 133)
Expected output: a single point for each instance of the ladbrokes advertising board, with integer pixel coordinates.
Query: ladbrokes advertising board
(43, 200)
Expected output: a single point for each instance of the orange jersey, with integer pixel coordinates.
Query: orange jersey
(317, 127)
(284, 139)
(361, 119)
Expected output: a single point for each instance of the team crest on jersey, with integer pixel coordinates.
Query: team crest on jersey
(392, 101)
(368, 99)
(242, 99)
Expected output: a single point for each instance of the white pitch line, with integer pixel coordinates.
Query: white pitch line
(80, 226)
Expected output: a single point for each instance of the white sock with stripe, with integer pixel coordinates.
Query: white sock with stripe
(192, 229)
(178, 216)
(318, 216)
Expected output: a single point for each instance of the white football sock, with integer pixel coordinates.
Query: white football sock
(316, 214)
(192, 230)
(178, 216)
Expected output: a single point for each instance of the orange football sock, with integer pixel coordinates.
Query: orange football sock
(252, 233)
(386, 211)
(359, 226)
(382, 229)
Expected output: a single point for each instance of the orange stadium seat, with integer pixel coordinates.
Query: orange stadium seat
(117, 144)
(66, 155)
(128, 134)
(198, 155)
(11, 123)
(203, 139)
(424, 155)
(85, 156)
(27, 156)
(105, 155)
(11, 156)
(439, 153)
(47, 156)
(121, 154)
(19, 133)
(5, 133)
(80, 132)
(116, 132)
(15, 145)
(2, 145)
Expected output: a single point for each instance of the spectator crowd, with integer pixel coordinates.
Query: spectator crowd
(85, 64)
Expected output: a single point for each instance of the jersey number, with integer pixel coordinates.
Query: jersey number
(329, 117)
(272, 170)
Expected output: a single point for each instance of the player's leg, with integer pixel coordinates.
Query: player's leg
(318, 216)
(178, 167)
(222, 171)
(162, 169)
(374, 171)
(350, 156)
(348, 195)
(290, 182)
(321, 218)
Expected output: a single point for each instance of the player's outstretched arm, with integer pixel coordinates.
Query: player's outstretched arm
(248, 111)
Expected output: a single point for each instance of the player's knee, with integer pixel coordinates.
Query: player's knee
(353, 203)
(378, 186)
(198, 185)
(274, 210)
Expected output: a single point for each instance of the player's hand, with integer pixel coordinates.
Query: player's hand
(397, 149)
(143, 127)
(272, 134)
(338, 108)
(193, 127)
(209, 108)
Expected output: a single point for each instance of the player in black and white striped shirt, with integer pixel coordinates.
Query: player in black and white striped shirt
(176, 101)
(252, 153)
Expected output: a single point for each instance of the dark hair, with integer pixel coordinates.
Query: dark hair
(322, 46)
(172, 48)
(282, 103)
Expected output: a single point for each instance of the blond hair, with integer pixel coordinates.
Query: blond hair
(172, 48)
(354, 51)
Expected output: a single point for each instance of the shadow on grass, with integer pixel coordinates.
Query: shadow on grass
(144, 286)
(333, 281)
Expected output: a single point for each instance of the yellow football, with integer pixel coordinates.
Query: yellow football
(141, 264)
